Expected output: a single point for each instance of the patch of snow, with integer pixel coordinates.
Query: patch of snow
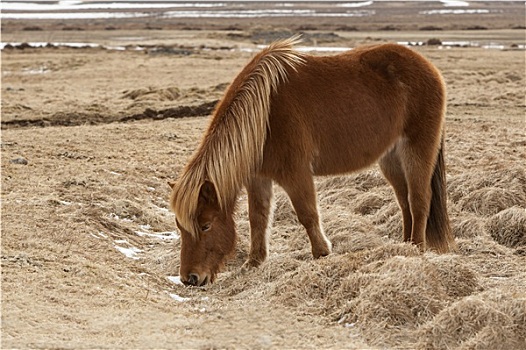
(356, 4)
(41, 70)
(454, 3)
(302, 49)
(178, 298)
(164, 211)
(129, 252)
(176, 280)
(159, 235)
(455, 12)
(82, 5)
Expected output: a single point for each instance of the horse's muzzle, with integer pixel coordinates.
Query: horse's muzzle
(195, 280)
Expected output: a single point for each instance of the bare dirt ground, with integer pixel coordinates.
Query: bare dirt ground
(90, 138)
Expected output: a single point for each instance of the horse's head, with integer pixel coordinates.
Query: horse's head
(206, 246)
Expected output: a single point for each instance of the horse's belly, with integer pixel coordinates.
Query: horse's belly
(328, 148)
(349, 156)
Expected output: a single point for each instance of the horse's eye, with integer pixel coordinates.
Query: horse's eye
(206, 227)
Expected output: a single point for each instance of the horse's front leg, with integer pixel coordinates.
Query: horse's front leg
(302, 193)
(260, 212)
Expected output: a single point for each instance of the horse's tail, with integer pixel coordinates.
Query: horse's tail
(438, 232)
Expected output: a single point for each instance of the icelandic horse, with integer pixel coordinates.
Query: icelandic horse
(289, 116)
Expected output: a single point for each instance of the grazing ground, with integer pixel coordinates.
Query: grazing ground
(90, 138)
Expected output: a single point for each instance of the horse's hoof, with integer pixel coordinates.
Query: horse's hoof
(321, 255)
(250, 264)
(322, 251)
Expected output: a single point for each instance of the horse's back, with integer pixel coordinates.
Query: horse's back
(341, 113)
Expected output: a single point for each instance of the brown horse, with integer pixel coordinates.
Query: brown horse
(289, 116)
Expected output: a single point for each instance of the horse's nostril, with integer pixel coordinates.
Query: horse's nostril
(193, 279)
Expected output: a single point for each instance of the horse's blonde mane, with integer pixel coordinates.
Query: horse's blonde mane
(232, 149)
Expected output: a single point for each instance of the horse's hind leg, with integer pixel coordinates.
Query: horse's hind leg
(302, 193)
(260, 216)
(394, 173)
(418, 160)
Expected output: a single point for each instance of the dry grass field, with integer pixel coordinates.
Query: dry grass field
(91, 136)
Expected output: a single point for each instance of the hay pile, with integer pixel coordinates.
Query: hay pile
(489, 320)
(508, 227)
(383, 292)
(488, 192)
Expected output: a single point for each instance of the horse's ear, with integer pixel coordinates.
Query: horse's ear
(208, 193)
(171, 184)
